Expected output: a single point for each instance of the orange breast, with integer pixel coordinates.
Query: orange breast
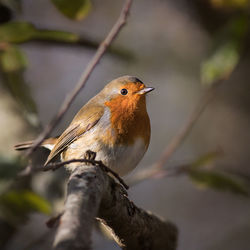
(129, 120)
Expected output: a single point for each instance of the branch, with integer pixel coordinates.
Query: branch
(186, 129)
(133, 227)
(85, 76)
(85, 42)
(85, 189)
(92, 193)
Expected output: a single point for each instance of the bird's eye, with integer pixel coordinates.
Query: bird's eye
(124, 91)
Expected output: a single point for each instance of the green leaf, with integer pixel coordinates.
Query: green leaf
(16, 205)
(12, 59)
(221, 64)
(219, 181)
(56, 35)
(20, 32)
(225, 53)
(16, 32)
(205, 159)
(76, 9)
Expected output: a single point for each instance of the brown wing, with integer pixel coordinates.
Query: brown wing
(85, 119)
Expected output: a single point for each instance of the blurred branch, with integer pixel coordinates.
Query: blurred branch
(92, 193)
(202, 174)
(85, 76)
(116, 51)
(186, 129)
(20, 32)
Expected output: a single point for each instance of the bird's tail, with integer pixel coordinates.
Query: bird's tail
(23, 145)
(47, 143)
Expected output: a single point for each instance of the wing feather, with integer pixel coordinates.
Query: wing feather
(86, 119)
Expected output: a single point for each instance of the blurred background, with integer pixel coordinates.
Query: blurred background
(182, 48)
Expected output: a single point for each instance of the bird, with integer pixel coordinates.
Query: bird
(114, 124)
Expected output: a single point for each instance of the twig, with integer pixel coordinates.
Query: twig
(56, 165)
(85, 76)
(186, 129)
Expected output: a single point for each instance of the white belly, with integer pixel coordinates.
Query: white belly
(124, 158)
(121, 159)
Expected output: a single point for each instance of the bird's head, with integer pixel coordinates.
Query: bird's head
(126, 93)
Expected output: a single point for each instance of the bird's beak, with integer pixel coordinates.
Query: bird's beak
(145, 90)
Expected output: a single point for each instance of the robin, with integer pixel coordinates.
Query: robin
(114, 124)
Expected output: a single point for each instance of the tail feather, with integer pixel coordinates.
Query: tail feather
(23, 146)
(48, 143)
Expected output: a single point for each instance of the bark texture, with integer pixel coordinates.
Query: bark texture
(91, 194)
(133, 227)
(84, 193)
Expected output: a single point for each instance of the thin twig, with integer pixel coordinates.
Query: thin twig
(121, 21)
(186, 129)
(56, 165)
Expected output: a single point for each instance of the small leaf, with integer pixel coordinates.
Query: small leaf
(18, 204)
(56, 35)
(76, 9)
(205, 159)
(12, 59)
(16, 32)
(218, 181)
(20, 32)
(221, 64)
(226, 52)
